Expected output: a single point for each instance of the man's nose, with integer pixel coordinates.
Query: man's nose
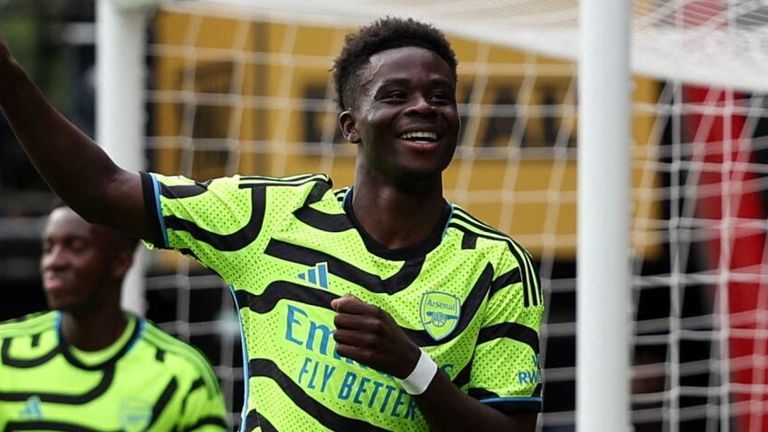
(421, 105)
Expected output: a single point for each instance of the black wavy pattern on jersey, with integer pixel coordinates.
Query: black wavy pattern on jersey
(198, 383)
(468, 241)
(317, 192)
(512, 331)
(184, 191)
(480, 393)
(283, 290)
(525, 264)
(373, 283)
(25, 363)
(511, 277)
(65, 399)
(325, 416)
(41, 425)
(74, 361)
(463, 376)
(207, 421)
(163, 400)
(537, 390)
(253, 420)
(227, 242)
(323, 221)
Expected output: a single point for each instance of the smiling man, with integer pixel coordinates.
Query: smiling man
(89, 366)
(375, 307)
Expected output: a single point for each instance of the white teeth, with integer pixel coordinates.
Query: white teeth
(420, 135)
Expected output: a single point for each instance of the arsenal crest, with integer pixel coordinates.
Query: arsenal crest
(439, 313)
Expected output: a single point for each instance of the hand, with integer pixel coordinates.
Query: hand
(368, 334)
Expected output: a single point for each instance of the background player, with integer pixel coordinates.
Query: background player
(87, 365)
(291, 248)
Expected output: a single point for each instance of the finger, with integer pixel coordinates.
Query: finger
(354, 338)
(335, 302)
(348, 351)
(352, 321)
(352, 305)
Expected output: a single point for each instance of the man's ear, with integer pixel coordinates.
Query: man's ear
(349, 127)
(122, 262)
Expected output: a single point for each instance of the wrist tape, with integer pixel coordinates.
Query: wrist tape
(417, 382)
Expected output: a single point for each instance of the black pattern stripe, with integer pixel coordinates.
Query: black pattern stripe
(41, 425)
(468, 240)
(509, 278)
(317, 192)
(283, 290)
(512, 331)
(323, 221)
(253, 420)
(462, 378)
(64, 399)
(226, 242)
(374, 283)
(529, 276)
(325, 416)
(207, 421)
(25, 363)
(198, 383)
(163, 400)
(184, 191)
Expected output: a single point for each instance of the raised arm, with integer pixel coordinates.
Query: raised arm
(75, 167)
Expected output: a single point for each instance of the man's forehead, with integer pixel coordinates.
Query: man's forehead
(64, 221)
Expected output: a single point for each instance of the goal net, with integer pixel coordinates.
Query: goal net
(243, 87)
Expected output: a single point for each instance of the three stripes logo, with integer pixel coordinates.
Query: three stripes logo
(32, 409)
(316, 276)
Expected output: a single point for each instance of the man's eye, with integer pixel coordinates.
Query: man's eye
(78, 246)
(442, 97)
(395, 95)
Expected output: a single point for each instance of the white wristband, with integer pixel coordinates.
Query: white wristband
(417, 382)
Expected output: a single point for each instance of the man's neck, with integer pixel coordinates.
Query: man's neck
(93, 329)
(397, 218)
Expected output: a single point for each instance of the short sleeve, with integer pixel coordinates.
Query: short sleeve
(505, 369)
(224, 223)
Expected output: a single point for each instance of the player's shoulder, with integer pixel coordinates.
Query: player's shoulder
(487, 236)
(184, 358)
(27, 325)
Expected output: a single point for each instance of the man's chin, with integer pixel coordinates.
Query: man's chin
(62, 303)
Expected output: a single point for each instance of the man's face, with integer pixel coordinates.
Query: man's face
(405, 116)
(78, 261)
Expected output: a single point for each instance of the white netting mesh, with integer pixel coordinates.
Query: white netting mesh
(240, 86)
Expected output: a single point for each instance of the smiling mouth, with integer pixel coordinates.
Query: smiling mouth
(420, 136)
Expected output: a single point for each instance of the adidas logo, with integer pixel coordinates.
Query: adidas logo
(317, 275)
(32, 409)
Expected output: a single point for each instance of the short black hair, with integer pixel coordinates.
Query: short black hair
(381, 35)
